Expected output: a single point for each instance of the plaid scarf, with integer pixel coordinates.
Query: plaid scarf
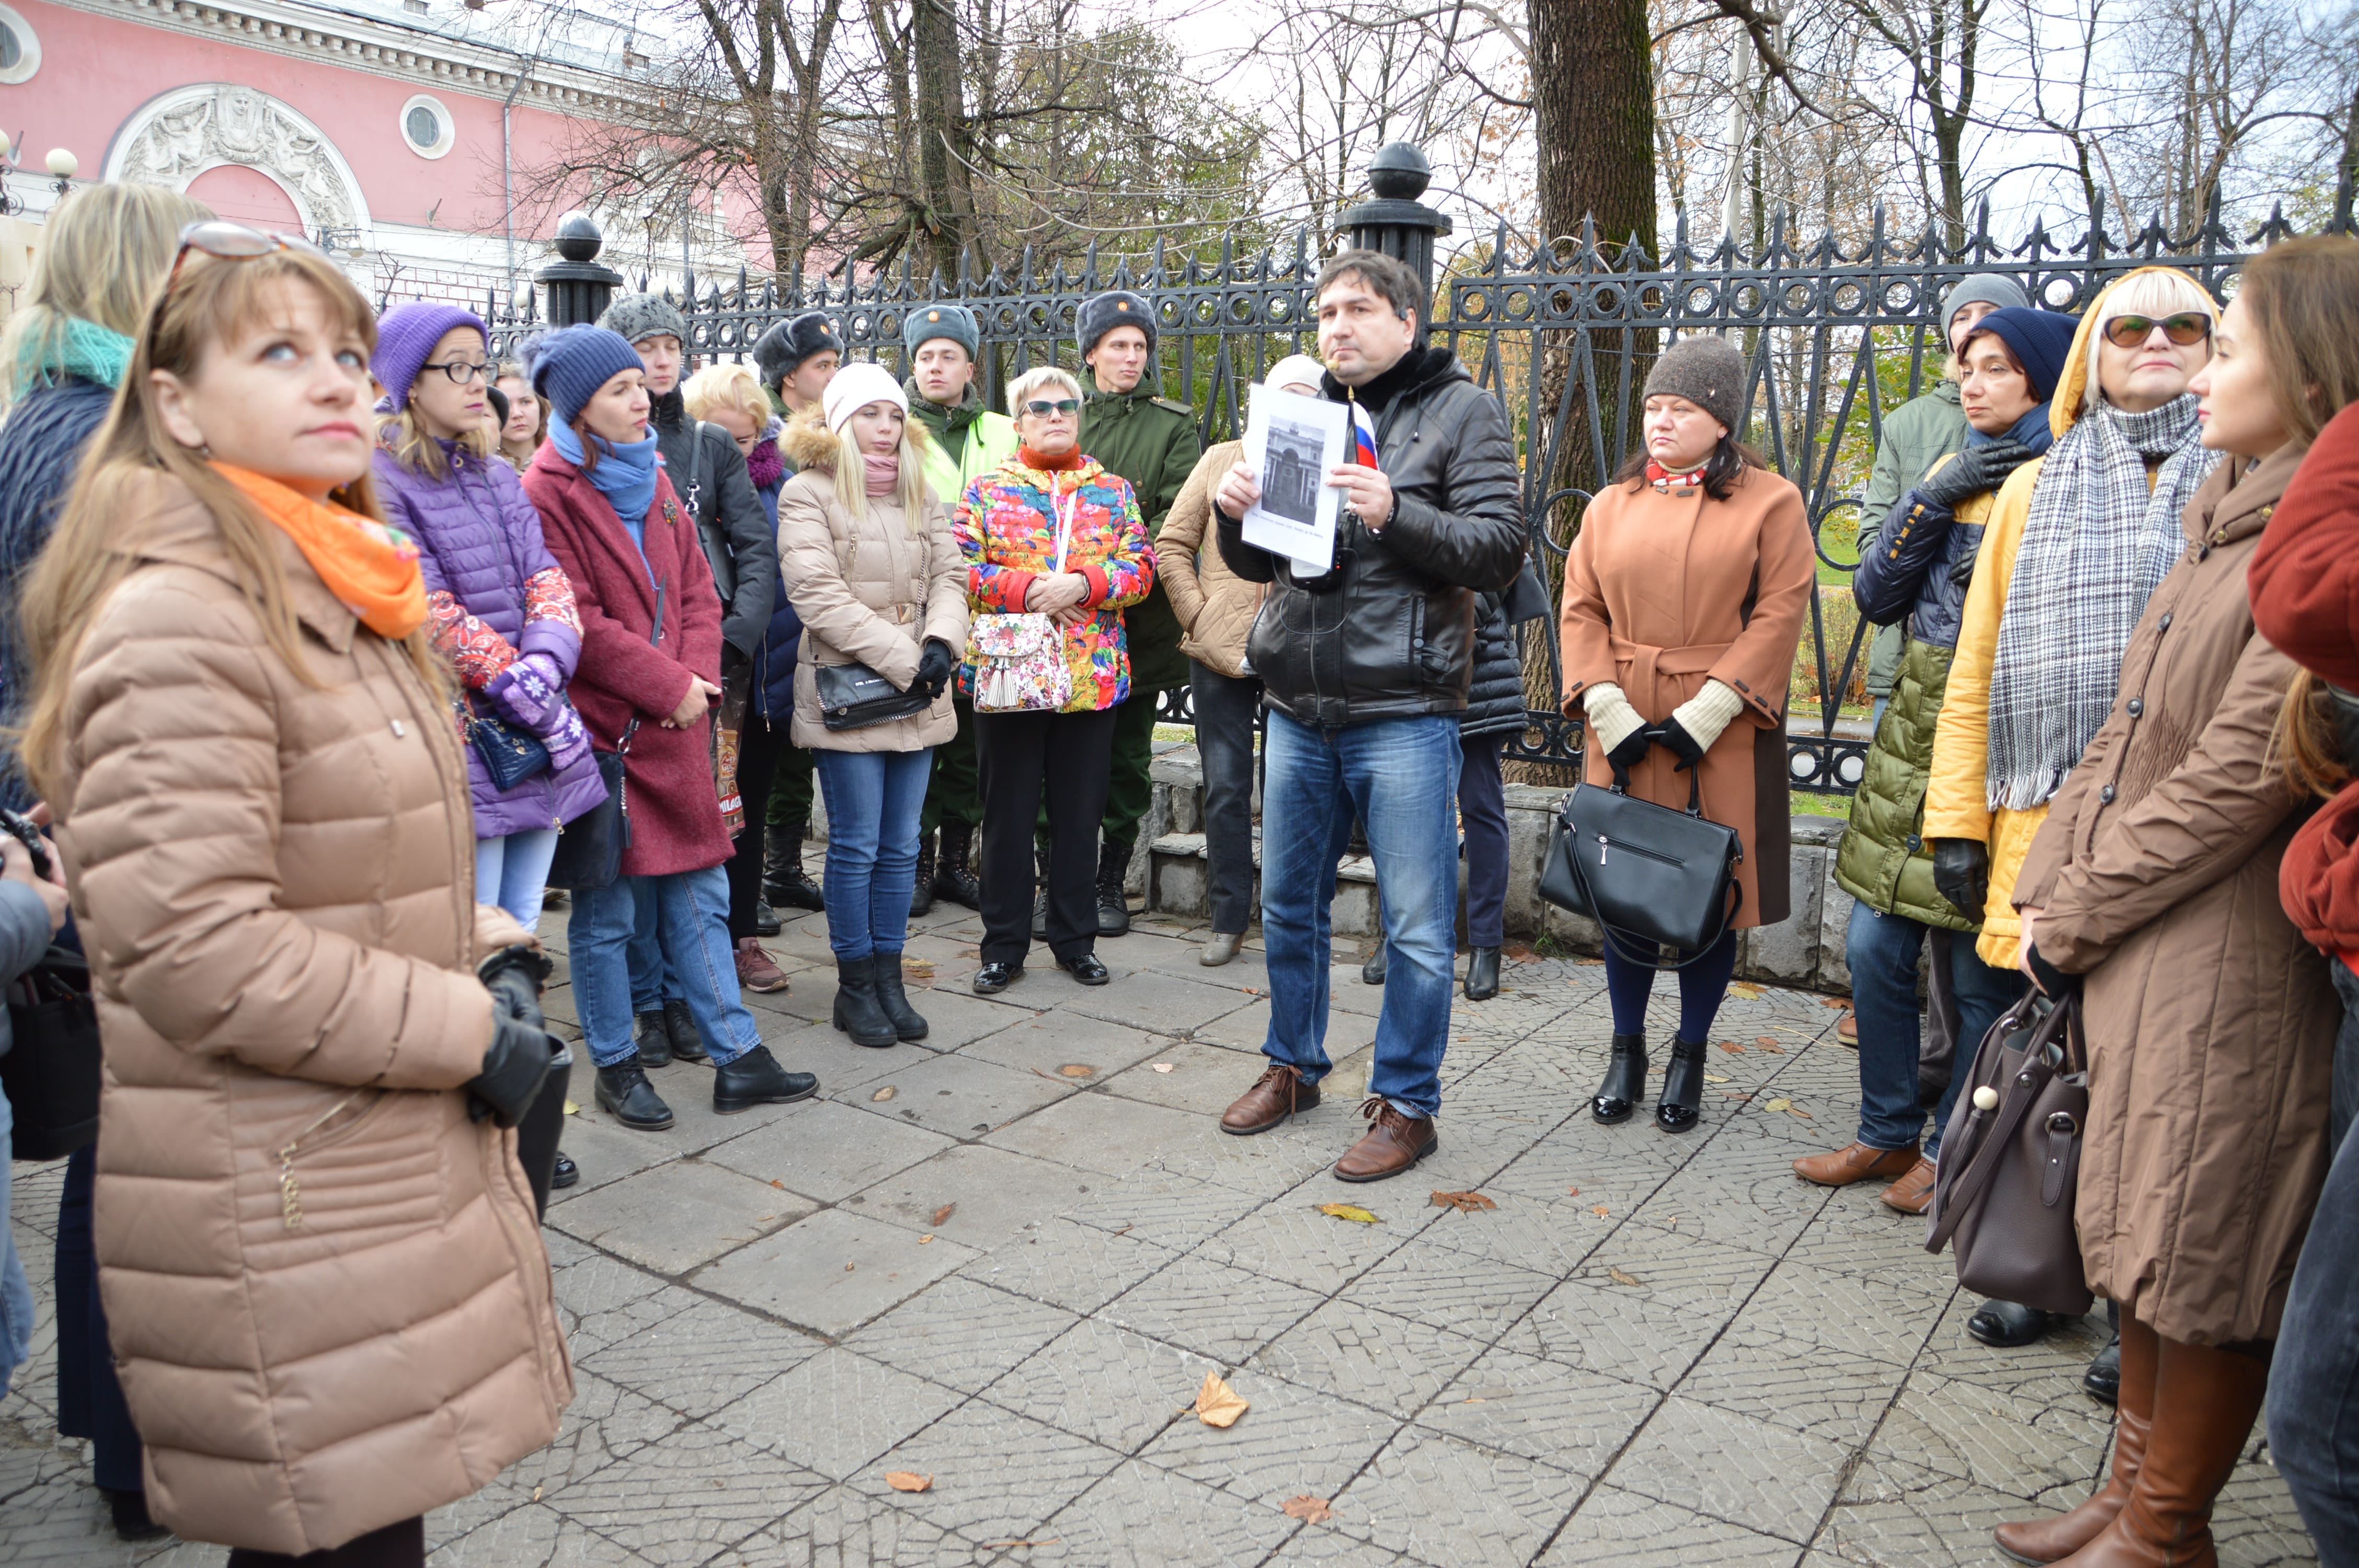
(2097, 542)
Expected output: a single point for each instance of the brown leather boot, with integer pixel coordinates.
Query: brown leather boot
(2058, 1536)
(1912, 1194)
(2205, 1401)
(1857, 1164)
(1393, 1143)
(1279, 1093)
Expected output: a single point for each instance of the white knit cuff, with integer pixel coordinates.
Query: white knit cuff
(1706, 713)
(1611, 718)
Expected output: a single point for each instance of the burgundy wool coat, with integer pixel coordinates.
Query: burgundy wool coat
(626, 672)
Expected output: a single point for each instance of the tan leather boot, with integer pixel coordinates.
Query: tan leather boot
(2060, 1535)
(1857, 1164)
(2205, 1401)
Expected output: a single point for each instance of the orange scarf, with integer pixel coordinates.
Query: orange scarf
(370, 568)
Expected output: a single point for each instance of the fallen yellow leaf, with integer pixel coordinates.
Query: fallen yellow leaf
(1217, 1404)
(1599, 1211)
(887, 1092)
(1352, 1212)
(1309, 1509)
(1745, 987)
(923, 1239)
(918, 969)
(1464, 1202)
(570, 1108)
(1076, 1070)
(907, 1481)
(1619, 1278)
(1715, 1077)
(1779, 1105)
(943, 1214)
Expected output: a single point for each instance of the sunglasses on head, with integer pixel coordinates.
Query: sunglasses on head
(2186, 327)
(234, 241)
(1042, 407)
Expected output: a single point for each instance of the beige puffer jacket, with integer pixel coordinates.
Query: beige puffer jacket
(869, 589)
(1215, 605)
(326, 1285)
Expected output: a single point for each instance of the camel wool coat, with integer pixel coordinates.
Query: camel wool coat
(324, 1281)
(1662, 593)
(2210, 1022)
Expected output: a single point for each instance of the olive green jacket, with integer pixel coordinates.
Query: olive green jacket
(1152, 442)
(1917, 435)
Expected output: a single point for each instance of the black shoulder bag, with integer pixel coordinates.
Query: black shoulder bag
(590, 848)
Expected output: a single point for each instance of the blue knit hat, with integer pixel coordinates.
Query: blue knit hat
(406, 335)
(2041, 341)
(568, 366)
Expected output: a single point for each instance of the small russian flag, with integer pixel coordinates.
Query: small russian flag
(1363, 437)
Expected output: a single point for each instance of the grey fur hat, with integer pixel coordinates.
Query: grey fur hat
(924, 324)
(1102, 313)
(1705, 370)
(636, 316)
(782, 350)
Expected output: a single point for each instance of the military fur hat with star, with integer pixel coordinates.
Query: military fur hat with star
(1102, 313)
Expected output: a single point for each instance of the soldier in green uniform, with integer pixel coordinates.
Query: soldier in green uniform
(1153, 442)
(969, 441)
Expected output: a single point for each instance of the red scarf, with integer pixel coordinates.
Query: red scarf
(1669, 483)
(1032, 459)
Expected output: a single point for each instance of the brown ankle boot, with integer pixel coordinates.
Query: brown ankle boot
(2060, 1535)
(2205, 1401)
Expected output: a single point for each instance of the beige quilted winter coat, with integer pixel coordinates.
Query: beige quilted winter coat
(1213, 602)
(326, 1285)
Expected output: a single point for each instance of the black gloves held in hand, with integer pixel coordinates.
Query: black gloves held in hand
(1962, 873)
(1631, 752)
(517, 1063)
(1974, 470)
(935, 667)
(1672, 736)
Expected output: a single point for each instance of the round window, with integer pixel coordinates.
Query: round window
(11, 50)
(425, 126)
(20, 46)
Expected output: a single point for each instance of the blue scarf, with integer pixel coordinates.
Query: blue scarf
(2032, 431)
(625, 475)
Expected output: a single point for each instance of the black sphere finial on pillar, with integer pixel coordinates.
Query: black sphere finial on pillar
(579, 287)
(1396, 223)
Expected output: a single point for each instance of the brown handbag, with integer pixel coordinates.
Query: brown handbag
(2011, 1161)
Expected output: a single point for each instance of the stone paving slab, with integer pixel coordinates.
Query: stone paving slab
(1655, 1350)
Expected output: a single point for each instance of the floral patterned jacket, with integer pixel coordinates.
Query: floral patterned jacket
(1006, 528)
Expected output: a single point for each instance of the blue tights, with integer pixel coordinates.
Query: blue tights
(1703, 986)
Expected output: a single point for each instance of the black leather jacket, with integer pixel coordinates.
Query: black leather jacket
(1391, 633)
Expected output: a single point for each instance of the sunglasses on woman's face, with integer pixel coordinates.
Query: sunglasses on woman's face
(2186, 327)
(1041, 407)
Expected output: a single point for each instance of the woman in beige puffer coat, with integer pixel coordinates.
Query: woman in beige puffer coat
(320, 1258)
(867, 558)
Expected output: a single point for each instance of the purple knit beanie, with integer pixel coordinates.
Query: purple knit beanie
(406, 335)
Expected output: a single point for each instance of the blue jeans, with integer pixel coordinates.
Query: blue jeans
(2314, 1382)
(513, 873)
(653, 980)
(1882, 951)
(1400, 776)
(873, 801)
(689, 913)
(16, 1290)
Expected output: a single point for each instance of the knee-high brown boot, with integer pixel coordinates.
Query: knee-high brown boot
(2205, 1402)
(2061, 1535)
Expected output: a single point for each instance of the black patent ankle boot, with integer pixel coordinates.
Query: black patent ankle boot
(1625, 1081)
(1683, 1100)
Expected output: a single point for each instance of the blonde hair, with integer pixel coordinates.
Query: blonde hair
(405, 437)
(2162, 291)
(718, 387)
(103, 255)
(509, 370)
(1033, 380)
(910, 491)
(132, 457)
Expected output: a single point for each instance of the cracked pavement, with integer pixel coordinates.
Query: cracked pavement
(1006, 1259)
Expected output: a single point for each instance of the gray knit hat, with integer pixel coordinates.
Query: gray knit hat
(636, 316)
(1102, 313)
(782, 350)
(1993, 289)
(924, 324)
(1708, 373)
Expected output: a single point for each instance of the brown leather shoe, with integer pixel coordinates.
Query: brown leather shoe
(1848, 1030)
(2058, 1536)
(1393, 1143)
(755, 973)
(1279, 1093)
(1912, 1194)
(1857, 1164)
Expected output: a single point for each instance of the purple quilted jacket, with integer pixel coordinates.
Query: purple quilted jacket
(479, 541)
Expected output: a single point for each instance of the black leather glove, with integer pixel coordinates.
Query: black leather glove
(1962, 873)
(514, 976)
(1672, 736)
(1972, 472)
(2051, 980)
(1631, 752)
(518, 1062)
(934, 667)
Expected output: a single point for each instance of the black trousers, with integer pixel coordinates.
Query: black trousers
(89, 1397)
(1226, 708)
(1020, 757)
(1483, 817)
(402, 1545)
(759, 746)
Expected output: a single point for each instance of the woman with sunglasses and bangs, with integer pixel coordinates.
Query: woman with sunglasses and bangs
(1050, 532)
(330, 1303)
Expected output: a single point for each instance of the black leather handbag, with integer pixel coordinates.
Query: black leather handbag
(51, 1072)
(853, 697)
(590, 848)
(1650, 877)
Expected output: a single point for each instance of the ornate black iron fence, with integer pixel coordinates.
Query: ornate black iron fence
(1838, 336)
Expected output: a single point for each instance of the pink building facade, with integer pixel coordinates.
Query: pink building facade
(402, 133)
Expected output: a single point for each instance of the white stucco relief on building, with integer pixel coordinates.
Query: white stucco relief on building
(177, 136)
